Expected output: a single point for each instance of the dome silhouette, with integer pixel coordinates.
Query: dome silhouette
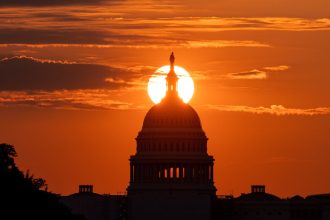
(171, 113)
(172, 126)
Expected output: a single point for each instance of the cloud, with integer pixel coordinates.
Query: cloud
(33, 59)
(278, 110)
(62, 35)
(27, 73)
(39, 3)
(153, 44)
(58, 84)
(258, 8)
(64, 99)
(99, 27)
(252, 74)
(277, 68)
(257, 74)
(72, 37)
(223, 43)
(121, 27)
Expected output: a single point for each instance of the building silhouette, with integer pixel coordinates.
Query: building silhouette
(171, 172)
(94, 206)
(260, 205)
(171, 177)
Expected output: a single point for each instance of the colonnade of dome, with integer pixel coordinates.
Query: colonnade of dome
(173, 172)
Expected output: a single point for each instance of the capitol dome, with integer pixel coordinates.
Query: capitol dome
(172, 126)
(171, 167)
(171, 113)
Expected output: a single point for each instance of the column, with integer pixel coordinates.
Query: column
(167, 172)
(206, 173)
(140, 173)
(158, 172)
(131, 173)
(161, 172)
(153, 172)
(203, 170)
(174, 171)
(137, 176)
(189, 172)
(212, 173)
(180, 171)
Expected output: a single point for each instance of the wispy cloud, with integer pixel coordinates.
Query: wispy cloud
(278, 110)
(28, 73)
(39, 3)
(257, 74)
(36, 82)
(277, 68)
(120, 28)
(64, 99)
(223, 43)
(33, 59)
(152, 43)
(252, 74)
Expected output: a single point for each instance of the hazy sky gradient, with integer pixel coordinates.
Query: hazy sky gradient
(73, 93)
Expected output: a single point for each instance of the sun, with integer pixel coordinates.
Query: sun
(157, 84)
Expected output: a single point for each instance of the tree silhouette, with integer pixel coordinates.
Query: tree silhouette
(7, 155)
(25, 197)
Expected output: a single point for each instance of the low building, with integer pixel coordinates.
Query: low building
(256, 205)
(95, 206)
(259, 205)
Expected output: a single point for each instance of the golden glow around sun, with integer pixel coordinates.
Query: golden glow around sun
(157, 84)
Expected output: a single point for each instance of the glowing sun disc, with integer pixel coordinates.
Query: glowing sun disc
(157, 84)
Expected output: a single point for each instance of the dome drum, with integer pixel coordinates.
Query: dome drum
(171, 146)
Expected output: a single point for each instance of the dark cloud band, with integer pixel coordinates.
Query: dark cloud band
(68, 36)
(26, 73)
(52, 2)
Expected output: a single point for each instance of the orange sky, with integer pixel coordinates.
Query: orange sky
(73, 92)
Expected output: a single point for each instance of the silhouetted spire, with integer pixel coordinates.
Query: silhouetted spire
(172, 78)
(172, 59)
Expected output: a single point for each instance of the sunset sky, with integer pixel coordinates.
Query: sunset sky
(74, 74)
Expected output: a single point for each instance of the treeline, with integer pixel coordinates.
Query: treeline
(24, 197)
